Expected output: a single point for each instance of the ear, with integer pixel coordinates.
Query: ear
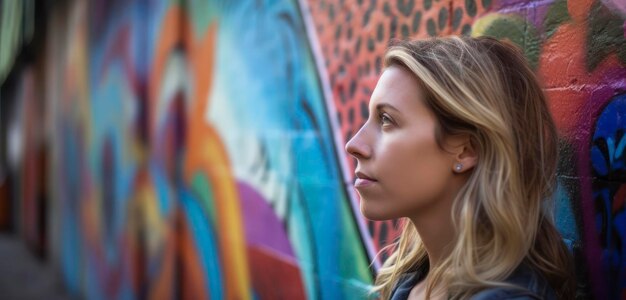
(464, 154)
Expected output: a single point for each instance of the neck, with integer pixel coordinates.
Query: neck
(435, 228)
(436, 233)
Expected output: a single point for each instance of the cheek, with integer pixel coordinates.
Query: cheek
(415, 170)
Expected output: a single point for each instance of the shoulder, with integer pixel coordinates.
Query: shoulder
(407, 281)
(508, 294)
(532, 285)
(404, 285)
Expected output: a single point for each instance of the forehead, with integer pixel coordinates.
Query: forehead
(398, 87)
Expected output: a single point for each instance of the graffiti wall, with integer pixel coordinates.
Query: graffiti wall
(196, 156)
(196, 147)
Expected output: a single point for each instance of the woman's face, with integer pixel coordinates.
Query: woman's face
(401, 171)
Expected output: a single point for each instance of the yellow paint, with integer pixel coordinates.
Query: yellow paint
(480, 26)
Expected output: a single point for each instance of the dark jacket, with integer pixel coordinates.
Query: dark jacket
(533, 285)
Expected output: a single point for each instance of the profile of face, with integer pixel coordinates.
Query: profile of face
(401, 170)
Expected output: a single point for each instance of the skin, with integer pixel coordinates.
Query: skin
(401, 170)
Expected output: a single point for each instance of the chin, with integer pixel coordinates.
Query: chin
(374, 214)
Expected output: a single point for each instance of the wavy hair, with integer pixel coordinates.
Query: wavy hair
(485, 89)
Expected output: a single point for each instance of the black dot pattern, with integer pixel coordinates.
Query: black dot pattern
(431, 27)
(417, 18)
(428, 4)
(470, 7)
(443, 18)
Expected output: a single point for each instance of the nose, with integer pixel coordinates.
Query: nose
(358, 147)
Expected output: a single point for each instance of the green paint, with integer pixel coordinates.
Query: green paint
(430, 27)
(456, 18)
(354, 266)
(470, 7)
(557, 14)
(520, 32)
(486, 3)
(300, 235)
(202, 14)
(11, 30)
(605, 35)
(201, 186)
(443, 18)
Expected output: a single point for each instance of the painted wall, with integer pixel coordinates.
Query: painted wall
(196, 157)
(17, 24)
(196, 146)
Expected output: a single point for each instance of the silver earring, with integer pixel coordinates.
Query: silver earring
(458, 167)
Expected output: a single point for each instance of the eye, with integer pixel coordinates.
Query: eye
(385, 119)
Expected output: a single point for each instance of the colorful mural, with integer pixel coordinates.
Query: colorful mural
(182, 185)
(196, 147)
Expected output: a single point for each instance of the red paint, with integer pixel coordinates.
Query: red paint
(268, 269)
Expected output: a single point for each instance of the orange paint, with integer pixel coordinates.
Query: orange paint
(206, 154)
(579, 9)
(204, 151)
(162, 286)
(562, 68)
(169, 37)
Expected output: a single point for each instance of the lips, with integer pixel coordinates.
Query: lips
(363, 180)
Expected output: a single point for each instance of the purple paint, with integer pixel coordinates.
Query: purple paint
(598, 99)
(532, 12)
(616, 5)
(262, 226)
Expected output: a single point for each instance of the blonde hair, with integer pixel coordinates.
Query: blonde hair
(484, 88)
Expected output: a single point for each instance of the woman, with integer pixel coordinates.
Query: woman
(461, 143)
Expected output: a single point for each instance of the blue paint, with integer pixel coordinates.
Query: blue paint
(608, 162)
(163, 190)
(266, 88)
(111, 119)
(71, 191)
(206, 242)
(564, 216)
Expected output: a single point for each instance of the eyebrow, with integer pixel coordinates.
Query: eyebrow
(386, 105)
